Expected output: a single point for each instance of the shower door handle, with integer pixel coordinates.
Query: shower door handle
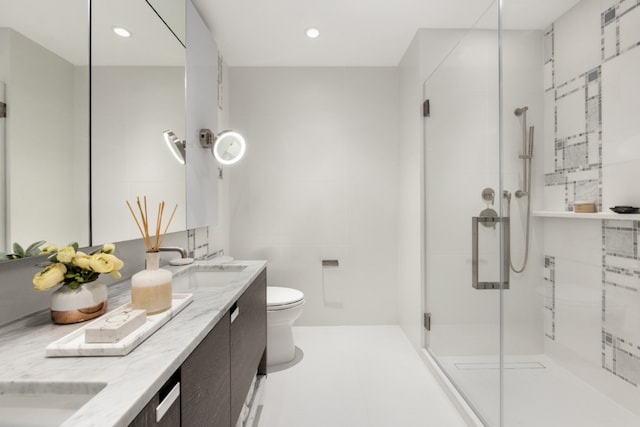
(488, 221)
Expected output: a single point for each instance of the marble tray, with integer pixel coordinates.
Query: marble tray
(73, 345)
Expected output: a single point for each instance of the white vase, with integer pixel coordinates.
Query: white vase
(86, 302)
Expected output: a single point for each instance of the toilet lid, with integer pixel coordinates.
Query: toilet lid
(277, 296)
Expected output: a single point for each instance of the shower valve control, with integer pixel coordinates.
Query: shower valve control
(488, 195)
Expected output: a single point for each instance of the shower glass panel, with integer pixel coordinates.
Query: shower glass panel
(528, 119)
(465, 227)
(571, 318)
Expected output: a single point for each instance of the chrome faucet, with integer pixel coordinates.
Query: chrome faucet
(182, 251)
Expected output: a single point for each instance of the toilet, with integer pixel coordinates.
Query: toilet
(284, 306)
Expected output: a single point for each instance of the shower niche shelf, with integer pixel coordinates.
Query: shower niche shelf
(597, 215)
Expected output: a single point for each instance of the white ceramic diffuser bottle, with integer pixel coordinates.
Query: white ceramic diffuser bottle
(151, 287)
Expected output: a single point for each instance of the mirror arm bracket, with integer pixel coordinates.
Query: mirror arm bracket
(206, 138)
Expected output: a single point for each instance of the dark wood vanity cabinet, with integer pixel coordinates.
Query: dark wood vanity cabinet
(206, 381)
(248, 341)
(163, 410)
(215, 378)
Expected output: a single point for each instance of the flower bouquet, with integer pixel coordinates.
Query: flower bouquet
(73, 268)
(81, 296)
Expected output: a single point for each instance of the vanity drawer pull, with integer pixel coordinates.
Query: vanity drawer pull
(235, 312)
(164, 406)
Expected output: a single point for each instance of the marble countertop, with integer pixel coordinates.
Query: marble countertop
(131, 380)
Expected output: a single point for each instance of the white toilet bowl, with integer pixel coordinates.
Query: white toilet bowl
(284, 306)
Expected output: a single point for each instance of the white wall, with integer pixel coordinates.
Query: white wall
(320, 181)
(410, 200)
(219, 234)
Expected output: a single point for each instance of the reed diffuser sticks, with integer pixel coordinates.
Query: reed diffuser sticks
(143, 223)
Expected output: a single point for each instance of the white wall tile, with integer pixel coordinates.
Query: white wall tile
(320, 180)
(571, 115)
(548, 75)
(621, 129)
(630, 29)
(622, 316)
(554, 196)
(549, 132)
(626, 5)
(577, 41)
(610, 40)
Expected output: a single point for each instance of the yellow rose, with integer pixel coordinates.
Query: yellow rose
(105, 263)
(50, 276)
(66, 254)
(108, 248)
(48, 248)
(82, 260)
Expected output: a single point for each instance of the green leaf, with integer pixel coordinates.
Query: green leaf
(18, 250)
(34, 248)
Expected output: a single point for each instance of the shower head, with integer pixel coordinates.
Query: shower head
(519, 111)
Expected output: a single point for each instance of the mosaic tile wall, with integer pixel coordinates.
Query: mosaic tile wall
(577, 172)
(577, 132)
(550, 297)
(620, 297)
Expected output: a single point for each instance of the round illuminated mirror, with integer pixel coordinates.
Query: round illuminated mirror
(229, 147)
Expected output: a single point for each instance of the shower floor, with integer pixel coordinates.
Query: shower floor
(538, 392)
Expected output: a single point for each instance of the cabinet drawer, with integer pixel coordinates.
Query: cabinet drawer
(164, 408)
(205, 381)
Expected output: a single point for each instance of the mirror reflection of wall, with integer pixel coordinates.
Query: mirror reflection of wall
(137, 92)
(43, 63)
(173, 14)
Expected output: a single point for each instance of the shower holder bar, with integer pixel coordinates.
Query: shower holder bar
(475, 283)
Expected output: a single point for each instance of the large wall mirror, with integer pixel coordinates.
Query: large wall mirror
(44, 138)
(137, 92)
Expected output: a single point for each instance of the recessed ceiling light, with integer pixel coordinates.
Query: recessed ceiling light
(121, 31)
(312, 32)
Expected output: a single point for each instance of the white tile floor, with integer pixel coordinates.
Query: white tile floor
(538, 392)
(355, 376)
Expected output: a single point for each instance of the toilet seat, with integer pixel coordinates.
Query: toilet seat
(279, 298)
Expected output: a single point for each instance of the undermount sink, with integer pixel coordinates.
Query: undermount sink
(35, 404)
(208, 276)
(221, 267)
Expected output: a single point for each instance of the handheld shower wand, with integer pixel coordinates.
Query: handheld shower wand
(527, 157)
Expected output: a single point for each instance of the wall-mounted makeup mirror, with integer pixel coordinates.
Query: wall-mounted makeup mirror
(229, 147)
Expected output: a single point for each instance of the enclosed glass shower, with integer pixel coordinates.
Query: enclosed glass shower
(532, 310)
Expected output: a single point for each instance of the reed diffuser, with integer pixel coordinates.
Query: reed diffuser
(151, 288)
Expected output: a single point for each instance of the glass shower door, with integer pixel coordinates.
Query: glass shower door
(466, 231)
